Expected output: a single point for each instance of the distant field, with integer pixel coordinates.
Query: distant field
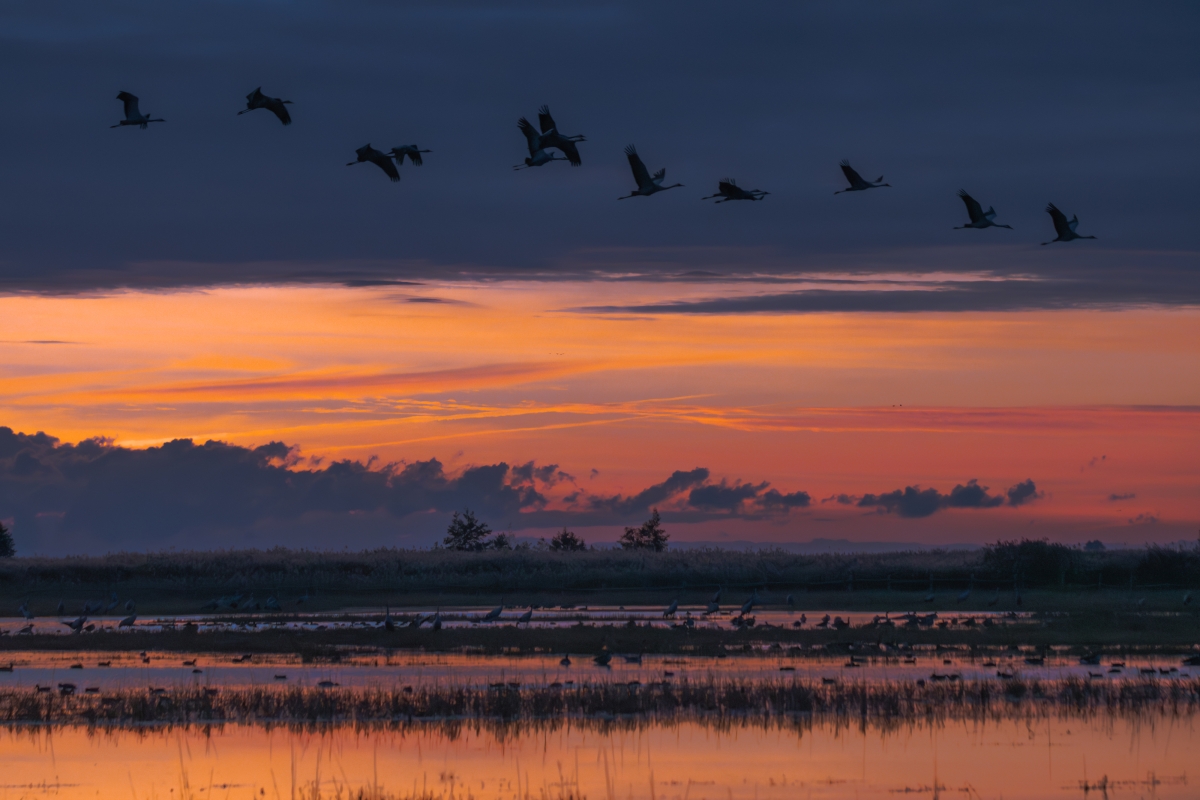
(1048, 578)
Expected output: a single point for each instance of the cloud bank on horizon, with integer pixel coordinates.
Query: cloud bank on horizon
(94, 496)
(1020, 104)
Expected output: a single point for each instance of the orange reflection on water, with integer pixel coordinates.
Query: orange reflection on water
(1038, 758)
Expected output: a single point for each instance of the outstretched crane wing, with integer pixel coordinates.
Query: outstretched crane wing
(1061, 226)
(568, 148)
(545, 120)
(640, 173)
(852, 176)
(254, 97)
(384, 163)
(531, 135)
(659, 176)
(728, 187)
(276, 107)
(974, 210)
(130, 102)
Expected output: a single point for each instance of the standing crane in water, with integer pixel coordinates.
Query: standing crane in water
(1062, 226)
(857, 183)
(647, 184)
(133, 115)
(378, 158)
(979, 218)
(257, 99)
(728, 189)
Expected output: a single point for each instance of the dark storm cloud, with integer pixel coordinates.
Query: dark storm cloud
(679, 481)
(724, 497)
(1020, 104)
(95, 496)
(913, 501)
(137, 498)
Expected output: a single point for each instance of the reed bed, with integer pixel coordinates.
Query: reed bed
(713, 700)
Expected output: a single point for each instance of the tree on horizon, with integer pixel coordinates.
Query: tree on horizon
(566, 541)
(650, 536)
(8, 547)
(466, 533)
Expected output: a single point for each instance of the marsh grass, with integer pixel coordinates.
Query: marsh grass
(174, 583)
(717, 701)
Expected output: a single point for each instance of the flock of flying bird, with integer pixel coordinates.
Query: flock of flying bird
(546, 138)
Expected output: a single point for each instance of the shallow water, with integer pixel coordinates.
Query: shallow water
(471, 616)
(169, 670)
(1046, 758)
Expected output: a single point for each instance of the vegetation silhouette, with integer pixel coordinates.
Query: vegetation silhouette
(467, 533)
(566, 541)
(650, 536)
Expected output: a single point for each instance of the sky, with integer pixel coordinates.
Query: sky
(226, 337)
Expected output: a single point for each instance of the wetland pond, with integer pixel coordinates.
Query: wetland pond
(1048, 757)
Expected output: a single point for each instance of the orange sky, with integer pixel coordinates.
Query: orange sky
(827, 403)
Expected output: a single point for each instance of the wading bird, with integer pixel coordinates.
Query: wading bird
(494, 613)
(728, 189)
(748, 606)
(128, 621)
(257, 99)
(133, 116)
(526, 617)
(1062, 226)
(647, 184)
(979, 218)
(389, 624)
(537, 147)
(412, 151)
(379, 159)
(671, 609)
(552, 138)
(963, 595)
(857, 184)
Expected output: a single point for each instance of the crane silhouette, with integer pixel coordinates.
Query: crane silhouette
(412, 151)
(857, 184)
(378, 158)
(133, 115)
(979, 218)
(257, 99)
(537, 147)
(1062, 226)
(647, 184)
(551, 137)
(727, 189)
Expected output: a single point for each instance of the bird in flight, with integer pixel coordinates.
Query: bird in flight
(647, 184)
(979, 218)
(1062, 226)
(412, 151)
(379, 159)
(133, 115)
(857, 184)
(729, 190)
(552, 138)
(257, 99)
(537, 146)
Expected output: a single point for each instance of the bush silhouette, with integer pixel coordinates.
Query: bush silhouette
(650, 536)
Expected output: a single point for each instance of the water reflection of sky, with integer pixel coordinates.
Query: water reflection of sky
(1043, 758)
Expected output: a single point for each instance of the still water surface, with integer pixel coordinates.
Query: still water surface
(1044, 758)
